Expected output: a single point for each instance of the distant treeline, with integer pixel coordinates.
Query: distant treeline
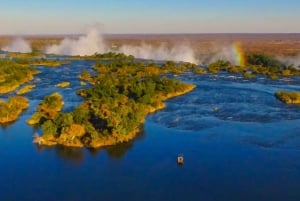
(257, 64)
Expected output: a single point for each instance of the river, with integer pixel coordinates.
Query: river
(238, 141)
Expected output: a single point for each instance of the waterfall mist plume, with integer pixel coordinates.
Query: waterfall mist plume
(18, 45)
(88, 44)
(162, 52)
(223, 52)
(295, 61)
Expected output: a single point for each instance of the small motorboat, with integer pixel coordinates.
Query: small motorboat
(180, 159)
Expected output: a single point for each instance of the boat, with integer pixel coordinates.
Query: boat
(180, 159)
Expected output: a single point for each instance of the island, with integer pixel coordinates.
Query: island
(291, 97)
(11, 109)
(63, 84)
(14, 74)
(25, 89)
(48, 62)
(47, 109)
(122, 94)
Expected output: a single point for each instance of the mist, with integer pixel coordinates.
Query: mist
(175, 53)
(88, 44)
(224, 53)
(18, 45)
(291, 60)
(92, 42)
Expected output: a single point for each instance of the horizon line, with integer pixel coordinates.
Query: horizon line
(164, 33)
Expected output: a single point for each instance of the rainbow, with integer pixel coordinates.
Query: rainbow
(238, 53)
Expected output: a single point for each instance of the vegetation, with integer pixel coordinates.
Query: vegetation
(35, 59)
(10, 110)
(63, 84)
(47, 62)
(18, 55)
(48, 109)
(13, 75)
(25, 89)
(257, 64)
(292, 97)
(105, 56)
(217, 66)
(122, 94)
(248, 75)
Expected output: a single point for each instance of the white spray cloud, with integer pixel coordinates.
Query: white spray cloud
(90, 43)
(18, 45)
(291, 60)
(225, 53)
(145, 51)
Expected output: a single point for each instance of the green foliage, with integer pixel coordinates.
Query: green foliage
(10, 110)
(218, 66)
(14, 74)
(248, 75)
(264, 60)
(106, 56)
(81, 114)
(25, 89)
(257, 64)
(49, 128)
(270, 66)
(292, 97)
(63, 119)
(47, 109)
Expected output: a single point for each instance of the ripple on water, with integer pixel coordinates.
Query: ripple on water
(225, 98)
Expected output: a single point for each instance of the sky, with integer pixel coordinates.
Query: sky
(149, 16)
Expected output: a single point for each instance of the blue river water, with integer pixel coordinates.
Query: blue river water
(238, 141)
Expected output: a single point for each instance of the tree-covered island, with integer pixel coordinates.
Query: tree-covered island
(122, 94)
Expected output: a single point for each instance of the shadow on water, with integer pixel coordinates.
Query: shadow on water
(118, 151)
(73, 155)
(5, 126)
(77, 155)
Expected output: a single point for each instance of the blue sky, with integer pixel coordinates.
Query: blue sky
(155, 16)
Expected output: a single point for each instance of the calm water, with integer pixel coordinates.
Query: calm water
(238, 140)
